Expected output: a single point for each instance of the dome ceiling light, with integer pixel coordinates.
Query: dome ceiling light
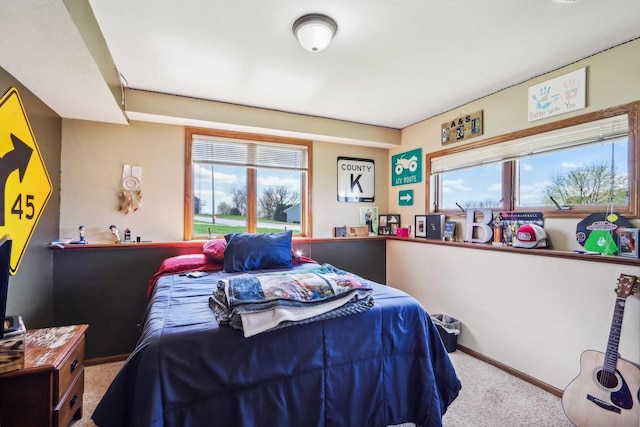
(314, 31)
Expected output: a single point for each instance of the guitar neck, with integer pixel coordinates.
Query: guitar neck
(611, 355)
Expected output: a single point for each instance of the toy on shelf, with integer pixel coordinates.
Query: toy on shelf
(116, 233)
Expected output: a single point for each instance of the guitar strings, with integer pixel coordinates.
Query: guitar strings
(605, 376)
(608, 379)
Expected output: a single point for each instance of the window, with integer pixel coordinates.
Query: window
(582, 164)
(238, 182)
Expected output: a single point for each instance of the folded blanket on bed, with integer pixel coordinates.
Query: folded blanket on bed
(261, 302)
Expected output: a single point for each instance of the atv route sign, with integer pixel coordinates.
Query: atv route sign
(406, 168)
(25, 186)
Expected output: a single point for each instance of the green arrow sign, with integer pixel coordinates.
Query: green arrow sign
(405, 198)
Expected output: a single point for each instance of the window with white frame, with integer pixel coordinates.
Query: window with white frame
(237, 182)
(583, 164)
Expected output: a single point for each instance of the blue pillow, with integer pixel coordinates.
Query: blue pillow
(257, 251)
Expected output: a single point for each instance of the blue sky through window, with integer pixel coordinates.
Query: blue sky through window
(481, 186)
(226, 178)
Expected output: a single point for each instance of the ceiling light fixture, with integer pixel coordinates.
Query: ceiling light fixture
(314, 32)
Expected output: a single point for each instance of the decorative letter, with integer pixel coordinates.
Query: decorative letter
(485, 233)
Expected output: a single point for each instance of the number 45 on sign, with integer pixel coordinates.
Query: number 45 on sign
(25, 186)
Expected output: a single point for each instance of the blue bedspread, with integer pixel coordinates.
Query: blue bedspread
(381, 367)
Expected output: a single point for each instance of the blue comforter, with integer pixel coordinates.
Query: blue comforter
(381, 367)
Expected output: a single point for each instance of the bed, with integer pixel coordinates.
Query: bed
(379, 367)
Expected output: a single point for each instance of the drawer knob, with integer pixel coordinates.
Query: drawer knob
(73, 400)
(74, 364)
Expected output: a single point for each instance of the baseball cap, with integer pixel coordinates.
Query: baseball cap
(530, 236)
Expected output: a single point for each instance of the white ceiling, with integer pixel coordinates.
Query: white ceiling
(392, 63)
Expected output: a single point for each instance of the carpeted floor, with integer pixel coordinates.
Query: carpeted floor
(490, 397)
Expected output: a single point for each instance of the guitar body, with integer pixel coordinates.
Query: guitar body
(591, 401)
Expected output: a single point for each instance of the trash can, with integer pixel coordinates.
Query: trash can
(449, 328)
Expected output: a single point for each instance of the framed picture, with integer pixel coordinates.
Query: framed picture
(388, 224)
(383, 225)
(421, 226)
(449, 230)
(628, 242)
(393, 221)
(369, 217)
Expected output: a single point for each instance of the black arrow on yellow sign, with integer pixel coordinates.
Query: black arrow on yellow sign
(18, 158)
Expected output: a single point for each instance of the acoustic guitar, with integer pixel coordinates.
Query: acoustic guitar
(607, 390)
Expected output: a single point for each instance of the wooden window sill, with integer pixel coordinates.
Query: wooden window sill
(610, 259)
(193, 243)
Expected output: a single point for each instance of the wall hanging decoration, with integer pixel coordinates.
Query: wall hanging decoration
(356, 180)
(407, 167)
(405, 198)
(558, 96)
(465, 126)
(131, 189)
(25, 186)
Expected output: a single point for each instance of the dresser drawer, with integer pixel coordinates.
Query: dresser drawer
(48, 391)
(69, 370)
(71, 403)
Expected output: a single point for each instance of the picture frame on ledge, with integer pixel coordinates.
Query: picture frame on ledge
(388, 224)
(369, 217)
(449, 231)
(628, 242)
(421, 226)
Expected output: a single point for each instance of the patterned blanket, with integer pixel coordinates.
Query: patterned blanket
(261, 302)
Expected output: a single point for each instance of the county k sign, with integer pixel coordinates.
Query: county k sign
(356, 180)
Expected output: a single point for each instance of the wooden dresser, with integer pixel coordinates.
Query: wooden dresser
(48, 391)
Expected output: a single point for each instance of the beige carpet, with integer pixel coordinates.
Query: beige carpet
(490, 397)
(96, 381)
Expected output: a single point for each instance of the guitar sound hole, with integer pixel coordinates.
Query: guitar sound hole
(607, 379)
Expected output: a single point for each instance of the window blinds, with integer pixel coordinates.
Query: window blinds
(249, 153)
(587, 133)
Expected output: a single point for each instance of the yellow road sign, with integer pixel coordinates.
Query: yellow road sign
(25, 186)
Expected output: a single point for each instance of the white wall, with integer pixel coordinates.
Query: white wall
(93, 155)
(535, 314)
(327, 211)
